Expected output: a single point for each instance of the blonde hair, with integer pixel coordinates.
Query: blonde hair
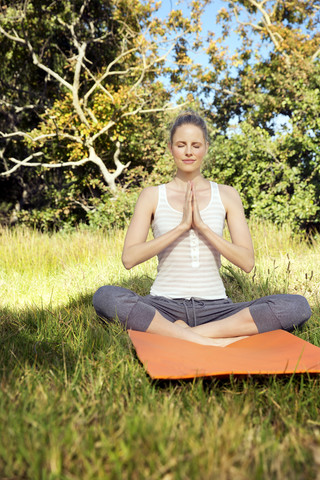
(189, 117)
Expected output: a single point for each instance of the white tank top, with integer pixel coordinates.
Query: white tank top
(189, 267)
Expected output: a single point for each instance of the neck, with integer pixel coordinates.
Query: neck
(181, 179)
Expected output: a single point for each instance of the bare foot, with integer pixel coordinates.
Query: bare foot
(215, 342)
(161, 326)
(223, 342)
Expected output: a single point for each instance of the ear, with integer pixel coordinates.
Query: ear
(170, 146)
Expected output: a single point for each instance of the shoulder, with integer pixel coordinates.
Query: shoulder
(149, 192)
(229, 196)
(148, 198)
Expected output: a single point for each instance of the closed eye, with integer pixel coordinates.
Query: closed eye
(196, 145)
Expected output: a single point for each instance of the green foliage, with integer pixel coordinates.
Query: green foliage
(271, 95)
(268, 173)
(113, 212)
(96, 65)
(275, 168)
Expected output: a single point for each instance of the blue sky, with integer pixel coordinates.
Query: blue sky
(208, 24)
(208, 19)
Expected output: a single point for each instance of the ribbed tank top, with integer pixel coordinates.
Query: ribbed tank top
(189, 267)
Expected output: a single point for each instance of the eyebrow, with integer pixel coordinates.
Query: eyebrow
(183, 141)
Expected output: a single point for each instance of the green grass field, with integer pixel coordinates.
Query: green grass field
(75, 402)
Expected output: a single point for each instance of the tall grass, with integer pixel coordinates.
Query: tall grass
(75, 403)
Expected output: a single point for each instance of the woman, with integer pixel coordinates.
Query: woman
(188, 299)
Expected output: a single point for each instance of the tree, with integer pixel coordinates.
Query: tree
(270, 93)
(88, 71)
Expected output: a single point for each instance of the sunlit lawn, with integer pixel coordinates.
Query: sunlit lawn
(75, 402)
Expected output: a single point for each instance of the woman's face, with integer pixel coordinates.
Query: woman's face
(188, 148)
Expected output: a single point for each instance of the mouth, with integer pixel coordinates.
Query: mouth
(188, 161)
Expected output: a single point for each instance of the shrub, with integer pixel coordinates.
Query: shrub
(269, 175)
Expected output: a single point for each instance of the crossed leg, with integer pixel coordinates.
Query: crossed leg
(218, 333)
(284, 311)
(238, 324)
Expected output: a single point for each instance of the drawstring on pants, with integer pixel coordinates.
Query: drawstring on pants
(193, 311)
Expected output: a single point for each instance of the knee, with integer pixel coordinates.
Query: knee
(99, 297)
(117, 303)
(298, 312)
(283, 311)
(104, 301)
(302, 310)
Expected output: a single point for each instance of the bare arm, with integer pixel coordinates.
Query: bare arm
(240, 250)
(136, 248)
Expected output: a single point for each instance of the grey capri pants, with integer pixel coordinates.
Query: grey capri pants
(136, 312)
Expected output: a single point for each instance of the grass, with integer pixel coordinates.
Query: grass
(75, 403)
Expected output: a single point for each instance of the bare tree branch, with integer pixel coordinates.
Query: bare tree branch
(41, 137)
(109, 177)
(165, 108)
(16, 108)
(26, 163)
(21, 163)
(107, 127)
(36, 60)
(107, 72)
(226, 91)
(137, 57)
(93, 157)
(79, 64)
(268, 26)
(98, 82)
(15, 37)
(144, 68)
(86, 208)
(76, 83)
(315, 55)
(246, 24)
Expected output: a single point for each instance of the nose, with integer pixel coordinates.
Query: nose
(188, 151)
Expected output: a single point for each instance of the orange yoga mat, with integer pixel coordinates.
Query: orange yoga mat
(274, 352)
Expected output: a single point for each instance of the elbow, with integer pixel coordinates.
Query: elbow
(126, 262)
(248, 268)
(249, 265)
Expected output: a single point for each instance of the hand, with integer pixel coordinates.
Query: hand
(187, 208)
(197, 221)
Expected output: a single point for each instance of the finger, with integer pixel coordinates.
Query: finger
(188, 196)
(187, 209)
(192, 189)
(195, 200)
